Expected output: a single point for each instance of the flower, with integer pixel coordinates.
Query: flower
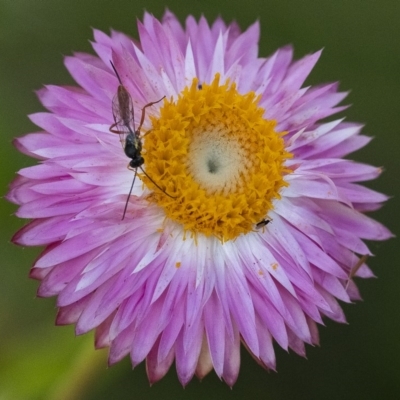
(246, 224)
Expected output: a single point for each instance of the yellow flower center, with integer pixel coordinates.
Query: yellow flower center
(220, 160)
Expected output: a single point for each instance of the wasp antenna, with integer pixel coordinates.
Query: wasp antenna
(129, 195)
(116, 72)
(172, 197)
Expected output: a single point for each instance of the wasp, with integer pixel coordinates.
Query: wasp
(124, 125)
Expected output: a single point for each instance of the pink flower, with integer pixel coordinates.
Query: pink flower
(247, 225)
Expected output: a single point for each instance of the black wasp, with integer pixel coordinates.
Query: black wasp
(124, 125)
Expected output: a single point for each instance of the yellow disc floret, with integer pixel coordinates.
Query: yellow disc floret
(221, 162)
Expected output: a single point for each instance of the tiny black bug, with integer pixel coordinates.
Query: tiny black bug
(262, 223)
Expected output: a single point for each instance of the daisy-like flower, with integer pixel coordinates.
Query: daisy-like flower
(246, 226)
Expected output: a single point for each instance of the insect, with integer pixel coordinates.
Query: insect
(124, 125)
(262, 223)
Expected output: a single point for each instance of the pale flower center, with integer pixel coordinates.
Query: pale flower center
(216, 160)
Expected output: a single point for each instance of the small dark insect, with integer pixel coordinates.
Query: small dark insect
(199, 86)
(262, 223)
(124, 125)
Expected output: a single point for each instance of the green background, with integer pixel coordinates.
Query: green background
(361, 49)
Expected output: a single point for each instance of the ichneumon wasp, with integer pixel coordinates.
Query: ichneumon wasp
(124, 125)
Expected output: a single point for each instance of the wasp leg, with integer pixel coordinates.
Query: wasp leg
(130, 191)
(144, 111)
(114, 130)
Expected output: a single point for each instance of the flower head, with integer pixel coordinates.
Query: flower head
(245, 223)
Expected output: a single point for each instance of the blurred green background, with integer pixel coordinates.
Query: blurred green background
(362, 50)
